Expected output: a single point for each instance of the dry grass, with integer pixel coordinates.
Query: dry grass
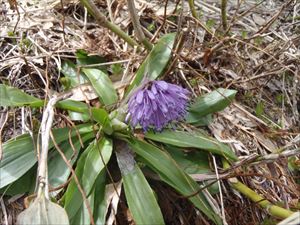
(258, 55)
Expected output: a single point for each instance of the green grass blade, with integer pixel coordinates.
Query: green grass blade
(195, 140)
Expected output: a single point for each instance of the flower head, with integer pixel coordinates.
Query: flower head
(156, 104)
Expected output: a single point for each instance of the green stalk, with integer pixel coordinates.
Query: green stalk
(101, 19)
(249, 193)
(224, 14)
(193, 9)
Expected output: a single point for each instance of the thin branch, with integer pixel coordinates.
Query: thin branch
(137, 25)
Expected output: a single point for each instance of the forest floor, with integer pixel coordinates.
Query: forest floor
(255, 51)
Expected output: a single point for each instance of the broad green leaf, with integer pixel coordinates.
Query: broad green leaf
(96, 161)
(82, 216)
(18, 157)
(11, 96)
(88, 168)
(75, 116)
(25, 184)
(58, 171)
(196, 120)
(100, 204)
(193, 162)
(73, 106)
(140, 198)
(172, 174)
(193, 140)
(73, 74)
(72, 198)
(156, 61)
(214, 101)
(43, 211)
(19, 153)
(102, 85)
(96, 201)
(139, 195)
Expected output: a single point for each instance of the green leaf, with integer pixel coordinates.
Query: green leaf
(19, 153)
(75, 116)
(102, 117)
(58, 171)
(84, 59)
(97, 204)
(196, 120)
(214, 101)
(139, 195)
(73, 106)
(140, 198)
(89, 167)
(156, 61)
(73, 74)
(102, 85)
(10, 96)
(96, 161)
(72, 198)
(25, 184)
(43, 211)
(100, 203)
(82, 216)
(193, 140)
(193, 162)
(18, 158)
(171, 173)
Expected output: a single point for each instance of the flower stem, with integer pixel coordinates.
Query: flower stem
(249, 193)
(101, 19)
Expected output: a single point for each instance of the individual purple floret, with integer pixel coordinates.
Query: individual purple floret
(156, 104)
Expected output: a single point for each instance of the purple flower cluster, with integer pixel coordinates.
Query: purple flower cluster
(156, 104)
